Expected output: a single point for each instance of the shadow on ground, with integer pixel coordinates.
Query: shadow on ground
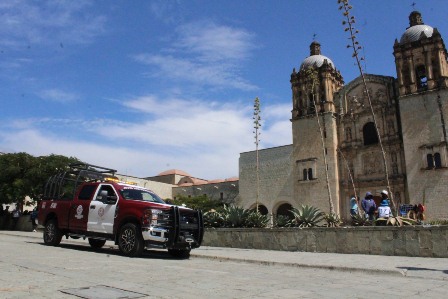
(111, 250)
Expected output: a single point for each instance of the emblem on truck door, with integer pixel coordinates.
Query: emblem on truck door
(79, 212)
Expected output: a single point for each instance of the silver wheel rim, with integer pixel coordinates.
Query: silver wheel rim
(49, 232)
(127, 240)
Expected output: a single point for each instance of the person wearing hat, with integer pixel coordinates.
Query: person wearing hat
(385, 196)
(353, 206)
(384, 210)
(368, 205)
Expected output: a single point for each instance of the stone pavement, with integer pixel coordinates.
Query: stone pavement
(418, 267)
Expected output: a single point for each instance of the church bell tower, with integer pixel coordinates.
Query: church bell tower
(422, 71)
(314, 130)
(420, 58)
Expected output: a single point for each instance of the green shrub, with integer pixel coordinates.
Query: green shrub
(438, 222)
(234, 216)
(201, 202)
(360, 220)
(395, 221)
(283, 221)
(307, 216)
(332, 219)
(256, 219)
(213, 218)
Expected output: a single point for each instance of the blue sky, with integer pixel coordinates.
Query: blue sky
(147, 86)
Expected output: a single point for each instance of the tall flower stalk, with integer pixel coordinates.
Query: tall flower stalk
(257, 127)
(311, 73)
(348, 24)
(350, 177)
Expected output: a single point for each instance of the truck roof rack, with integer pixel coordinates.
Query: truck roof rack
(91, 172)
(68, 181)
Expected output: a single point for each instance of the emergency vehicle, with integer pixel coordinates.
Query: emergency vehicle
(88, 201)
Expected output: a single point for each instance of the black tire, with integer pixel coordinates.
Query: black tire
(52, 233)
(130, 240)
(96, 243)
(180, 253)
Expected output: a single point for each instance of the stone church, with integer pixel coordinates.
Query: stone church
(333, 125)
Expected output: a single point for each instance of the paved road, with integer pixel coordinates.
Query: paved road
(29, 269)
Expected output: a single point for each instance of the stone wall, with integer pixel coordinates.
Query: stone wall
(161, 189)
(424, 122)
(404, 241)
(276, 184)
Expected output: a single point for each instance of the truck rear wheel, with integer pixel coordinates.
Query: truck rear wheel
(130, 240)
(96, 243)
(52, 233)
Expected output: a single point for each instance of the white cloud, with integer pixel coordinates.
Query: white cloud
(204, 139)
(41, 22)
(57, 95)
(184, 123)
(205, 54)
(215, 43)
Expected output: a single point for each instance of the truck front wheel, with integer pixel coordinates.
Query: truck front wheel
(52, 233)
(130, 240)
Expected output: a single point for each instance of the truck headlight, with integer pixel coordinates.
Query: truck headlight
(151, 216)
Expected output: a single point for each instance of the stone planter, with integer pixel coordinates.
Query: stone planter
(419, 241)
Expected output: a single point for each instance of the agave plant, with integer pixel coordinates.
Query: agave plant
(395, 221)
(332, 219)
(256, 219)
(307, 216)
(282, 221)
(360, 220)
(234, 216)
(213, 218)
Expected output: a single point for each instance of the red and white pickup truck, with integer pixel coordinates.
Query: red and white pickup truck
(87, 201)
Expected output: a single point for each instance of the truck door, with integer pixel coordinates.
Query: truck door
(79, 210)
(102, 210)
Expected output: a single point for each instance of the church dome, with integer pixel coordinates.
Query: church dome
(416, 29)
(414, 33)
(315, 58)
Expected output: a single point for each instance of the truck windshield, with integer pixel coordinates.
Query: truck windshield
(140, 194)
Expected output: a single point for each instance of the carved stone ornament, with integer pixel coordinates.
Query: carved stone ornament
(371, 163)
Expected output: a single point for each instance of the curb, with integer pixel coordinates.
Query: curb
(301, 265)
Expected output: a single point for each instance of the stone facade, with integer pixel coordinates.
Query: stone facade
(225, 191)
(360, 156)
(161, 189)
(275, 187)
(335, 123)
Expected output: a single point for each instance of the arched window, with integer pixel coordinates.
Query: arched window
(422, 80)
(305, 174)
(263, 210)
(369, 134)
(437, 160)
(285, 210)
(430, 161)
(310, 173)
